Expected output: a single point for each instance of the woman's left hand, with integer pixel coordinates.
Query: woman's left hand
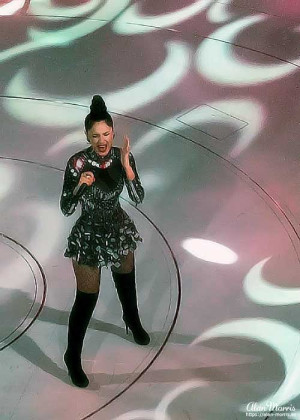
(125, 159)
(125, 153)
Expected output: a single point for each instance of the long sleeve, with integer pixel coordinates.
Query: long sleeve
(69, 198)
(135, 190)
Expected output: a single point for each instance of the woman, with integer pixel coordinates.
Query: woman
(104, 235)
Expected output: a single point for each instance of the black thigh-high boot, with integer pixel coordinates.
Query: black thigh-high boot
(78, 322)
(126, 289)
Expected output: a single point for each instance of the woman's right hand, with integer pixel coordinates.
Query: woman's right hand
(87, 178)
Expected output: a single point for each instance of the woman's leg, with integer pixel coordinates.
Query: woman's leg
(124, 278)
(127, 264)
(88, 283)
(87, 278)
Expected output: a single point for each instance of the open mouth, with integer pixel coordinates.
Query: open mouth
(102, 149)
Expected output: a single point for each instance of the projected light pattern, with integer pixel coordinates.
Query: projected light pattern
(256, 115)
(218, 12)
(70, 139)
(143, 92)
(218, 62)
(285, 340)
(7, 175)
(161, 411)
(11, 7)
(154, 182)
(260, 291)
(108, 11)
(142, 24)
(46, 7)
(34, 213)
(210, 251)
(39, 39)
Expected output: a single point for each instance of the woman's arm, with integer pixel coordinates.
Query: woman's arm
(69, 199)
(132, 181)
(73, 179)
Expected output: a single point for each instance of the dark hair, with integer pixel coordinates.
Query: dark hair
(98, 113)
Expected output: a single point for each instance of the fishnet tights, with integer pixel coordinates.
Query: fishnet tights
(88, 278)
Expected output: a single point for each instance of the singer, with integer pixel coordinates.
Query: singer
(104, 234)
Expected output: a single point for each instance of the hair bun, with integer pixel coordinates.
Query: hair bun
(98, 107)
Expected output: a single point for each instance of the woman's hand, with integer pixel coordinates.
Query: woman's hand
(87, 178)
(125, 153)
(125, 159)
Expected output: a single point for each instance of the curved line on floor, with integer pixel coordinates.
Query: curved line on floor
(44, 291)
(175, 316)
(242, 174)
(31, 306)
(171, 327)
(266, 197)
(195, 34)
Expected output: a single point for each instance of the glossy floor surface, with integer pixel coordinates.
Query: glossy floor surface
(208, 92)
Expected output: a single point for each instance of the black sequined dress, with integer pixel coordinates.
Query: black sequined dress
(104, 232)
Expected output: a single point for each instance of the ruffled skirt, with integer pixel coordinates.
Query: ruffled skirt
(99, 243)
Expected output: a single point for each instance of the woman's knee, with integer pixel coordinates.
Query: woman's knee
(88, 288)
(87, 278)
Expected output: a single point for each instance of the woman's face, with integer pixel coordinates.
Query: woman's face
(101, 137)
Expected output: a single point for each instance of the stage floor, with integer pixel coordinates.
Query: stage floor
(208, 93)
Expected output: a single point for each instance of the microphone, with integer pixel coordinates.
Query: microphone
(79, 165)
(79, 190)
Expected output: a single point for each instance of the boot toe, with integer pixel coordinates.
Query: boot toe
(79, 379)
(75, 371)
(141, 337)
